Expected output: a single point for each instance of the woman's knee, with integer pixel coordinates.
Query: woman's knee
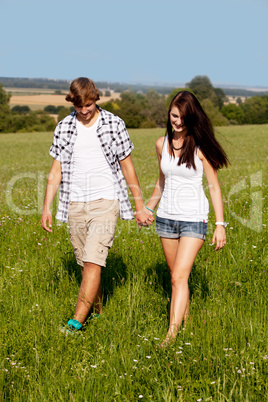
(179, 279)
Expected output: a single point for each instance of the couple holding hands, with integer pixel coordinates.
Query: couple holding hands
(92, 163)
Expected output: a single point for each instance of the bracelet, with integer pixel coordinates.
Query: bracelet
(222, 223)
(149, 209)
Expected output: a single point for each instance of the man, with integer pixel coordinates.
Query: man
(91, 150)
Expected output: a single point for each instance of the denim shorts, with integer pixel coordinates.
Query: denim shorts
(171, 229)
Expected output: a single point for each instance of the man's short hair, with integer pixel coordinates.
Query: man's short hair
(81, 91)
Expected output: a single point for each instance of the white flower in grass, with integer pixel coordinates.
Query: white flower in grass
(239, 371)
(198, 400)
(135, 360)
(93, 366)
(148, 357)
(251, 363)
(157, 339)
(213, 382)
(187, 343)
(140, 396)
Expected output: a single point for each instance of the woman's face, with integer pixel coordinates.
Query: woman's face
(176, 120)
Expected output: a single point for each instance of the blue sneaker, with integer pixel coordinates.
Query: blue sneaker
(73, 327)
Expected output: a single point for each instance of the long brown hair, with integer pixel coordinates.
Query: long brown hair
(200, 132)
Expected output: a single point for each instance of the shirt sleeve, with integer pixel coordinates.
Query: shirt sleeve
(124, 144)
(55, 147)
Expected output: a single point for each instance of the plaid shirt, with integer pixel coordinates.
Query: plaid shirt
(116, 146)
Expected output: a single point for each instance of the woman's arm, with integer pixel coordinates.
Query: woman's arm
(215, 193)
(159, 185)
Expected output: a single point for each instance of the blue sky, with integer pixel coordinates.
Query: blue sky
(141, 41)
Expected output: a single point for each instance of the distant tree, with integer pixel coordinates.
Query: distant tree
(107, 93)
(213, 113)
(255, 109)
(219, 97)
(130, 109)
(201, 86)
(4, 96)
(51, 109)
(21, 109)
(65, 111)
(109, 106)
(154, 110)
(233, 113)
(5, 114)
(239, 101)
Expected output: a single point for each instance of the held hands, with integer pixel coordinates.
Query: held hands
(144, 217)
(46, 217)
(219, 236)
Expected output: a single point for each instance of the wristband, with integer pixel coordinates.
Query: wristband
(221, 223)
(149, 209)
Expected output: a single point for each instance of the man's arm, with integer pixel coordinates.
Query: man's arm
(53, 182)
(143, 215)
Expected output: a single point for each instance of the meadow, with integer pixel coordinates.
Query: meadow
(221, 354)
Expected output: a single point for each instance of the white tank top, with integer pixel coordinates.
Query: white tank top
(92, 177)
(183, 197)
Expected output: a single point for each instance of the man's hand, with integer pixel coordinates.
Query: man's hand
(46, 217)
(144, 217)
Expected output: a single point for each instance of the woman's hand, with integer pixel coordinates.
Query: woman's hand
(144, 217)
(219, 237)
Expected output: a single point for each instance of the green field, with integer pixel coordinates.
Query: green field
(222, 353)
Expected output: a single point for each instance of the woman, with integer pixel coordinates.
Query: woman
(188, 149)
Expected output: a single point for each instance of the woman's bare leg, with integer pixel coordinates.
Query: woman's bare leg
(187, 249)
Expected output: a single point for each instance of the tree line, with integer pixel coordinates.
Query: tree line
(141, 110)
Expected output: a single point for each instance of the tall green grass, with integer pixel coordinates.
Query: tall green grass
(221, 355)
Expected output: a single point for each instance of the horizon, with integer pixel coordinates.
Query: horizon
(149, 84)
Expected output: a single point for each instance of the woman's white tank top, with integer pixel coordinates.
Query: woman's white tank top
(183, 197)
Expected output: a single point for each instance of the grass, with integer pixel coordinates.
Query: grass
(222, 353)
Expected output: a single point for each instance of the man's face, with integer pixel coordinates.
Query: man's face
(86, 112)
